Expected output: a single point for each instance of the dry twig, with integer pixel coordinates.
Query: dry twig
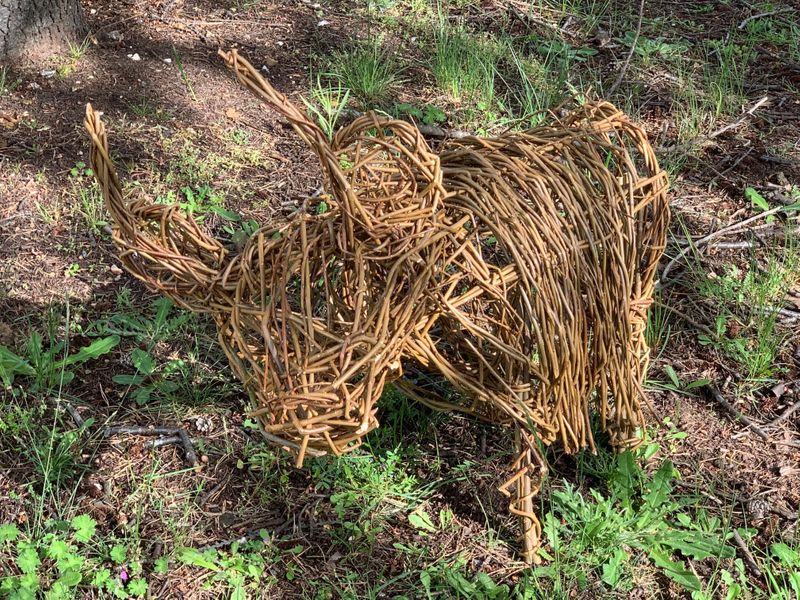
(784, 415)
(703, 242)
(714, 134)
(746, 554)
(628, 58)
(176, 433)
(761, 15)
(736, 414)
(76, 417)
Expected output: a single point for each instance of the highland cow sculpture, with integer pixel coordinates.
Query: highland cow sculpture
(517, 269)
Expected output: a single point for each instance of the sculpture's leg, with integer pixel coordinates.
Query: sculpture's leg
(529, 471)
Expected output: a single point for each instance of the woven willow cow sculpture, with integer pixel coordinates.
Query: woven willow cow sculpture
(518, 269)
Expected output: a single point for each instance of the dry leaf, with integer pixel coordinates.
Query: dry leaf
(233, 114)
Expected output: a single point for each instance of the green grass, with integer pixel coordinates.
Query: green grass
(77, 51)
(326, 103)
(590, 12)
(746, 328)
(725, 70)
(90, 205)
(774, 32)
(369, 71)
(412, 513)
(142, 108)
(465, 65)
(638, 521)
(193, 377)
(658, 329)
(535, 86)
(178, 60)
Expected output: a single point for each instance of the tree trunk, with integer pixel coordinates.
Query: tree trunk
(33, 30)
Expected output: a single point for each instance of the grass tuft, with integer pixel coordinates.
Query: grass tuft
(465, 65)
(326, 103)
(369, 71)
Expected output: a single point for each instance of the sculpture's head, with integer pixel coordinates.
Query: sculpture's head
(159, 244)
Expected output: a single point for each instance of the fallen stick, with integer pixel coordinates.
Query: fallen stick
(769, 13)
(173, 432)
(773, 230)
(704, 241)
(188, 448)
(165, 441)
(730, 168)
(76, 417)
(736, 414)
(746, 555)
(714, 134)
(138, 430)
(735, 227)
(784, 415)
(628, 58)
(738, 121)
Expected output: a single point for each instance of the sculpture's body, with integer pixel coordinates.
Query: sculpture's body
(519, 269)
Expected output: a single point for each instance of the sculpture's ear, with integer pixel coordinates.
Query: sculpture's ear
(249, 76)
(392, 172)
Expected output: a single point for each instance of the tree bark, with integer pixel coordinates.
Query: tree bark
(33, 30)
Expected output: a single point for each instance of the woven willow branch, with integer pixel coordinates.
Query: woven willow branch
(507, 277)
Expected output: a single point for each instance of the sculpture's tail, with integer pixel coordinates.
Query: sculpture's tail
(159, 244)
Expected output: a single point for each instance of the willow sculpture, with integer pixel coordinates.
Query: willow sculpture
(507, 278)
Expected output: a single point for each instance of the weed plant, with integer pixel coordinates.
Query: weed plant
(746, 328)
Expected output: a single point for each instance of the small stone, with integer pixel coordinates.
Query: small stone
(135, 56)
(47, 73)
(34, 86)
(323, 23)
(280, 43)
(168, 61)
(114, 36)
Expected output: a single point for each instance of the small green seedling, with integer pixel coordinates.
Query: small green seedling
(429, 115)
